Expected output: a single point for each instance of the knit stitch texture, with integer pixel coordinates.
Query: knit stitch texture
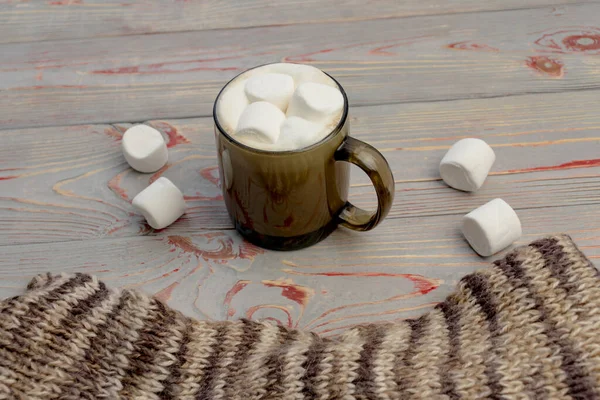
(527, 327)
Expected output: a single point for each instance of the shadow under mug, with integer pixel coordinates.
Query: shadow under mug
(287, 200)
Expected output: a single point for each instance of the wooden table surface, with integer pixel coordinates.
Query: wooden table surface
(420, 75)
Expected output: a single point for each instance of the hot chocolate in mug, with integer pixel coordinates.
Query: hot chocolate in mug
(287, 200)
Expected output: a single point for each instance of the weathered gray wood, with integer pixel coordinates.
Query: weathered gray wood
(22, 21)
(399, 270)
(178, 75)
(71, 183)
(65, 191)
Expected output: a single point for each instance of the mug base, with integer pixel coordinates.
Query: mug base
(282, 243)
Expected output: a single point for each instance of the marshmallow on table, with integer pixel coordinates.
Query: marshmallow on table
(161, 203)
(491, 227)
(466, 165)
(316, 102)
(297, 133)
(272, 87)
(144, 148)
(260, 123)
(302, 73)
(232, 103)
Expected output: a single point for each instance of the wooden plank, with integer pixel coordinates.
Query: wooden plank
(178, 75)
(399, 270)
(71, 183)
(22, 21)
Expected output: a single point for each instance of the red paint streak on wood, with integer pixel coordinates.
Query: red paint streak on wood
(223, 251)
(422, 284)
(39, 76)
(472, 46)
(380, 50)
(582, 42)
(169, 273)
(55, 87)
(162, 64)
(545, 41)
(568, 165)
(546, 65)
(116, 229)
(48, 66)
(5, 178)
(159, 173)
(296, 293)
(165, 294)
(248, 251)
(383, 50)
(209, 174)
(306, 57)
(118, 71)
(575, 39)
(224, 247)
(173, 135)
(158, 68)
(114, 185)
(185, 244)
(65, 2)
(252, 310)
(239, 285)
(113, 133)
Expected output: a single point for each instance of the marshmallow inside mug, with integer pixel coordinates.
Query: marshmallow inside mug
(284, 150)
(309, 99)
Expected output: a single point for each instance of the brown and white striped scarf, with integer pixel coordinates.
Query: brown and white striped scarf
(527, 327)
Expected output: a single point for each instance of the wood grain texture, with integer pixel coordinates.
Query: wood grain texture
(72, 183)
(178, 75)
(24, 20)
(523, 80)
(398, 270)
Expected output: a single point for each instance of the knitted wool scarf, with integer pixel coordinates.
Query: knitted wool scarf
(527, 327)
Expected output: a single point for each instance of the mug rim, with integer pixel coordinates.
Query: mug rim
(331, 134)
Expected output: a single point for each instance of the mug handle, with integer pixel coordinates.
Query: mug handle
(367, 158)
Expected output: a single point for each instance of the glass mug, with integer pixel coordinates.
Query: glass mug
(287, 200)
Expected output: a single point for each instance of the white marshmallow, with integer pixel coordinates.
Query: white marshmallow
(144, 148)
(260, 123)
(316, 102)
(272, 87)
(491, 227)
(466, 165)
(297, 133)
(301, 73)
(161, 203)
(231, 104)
